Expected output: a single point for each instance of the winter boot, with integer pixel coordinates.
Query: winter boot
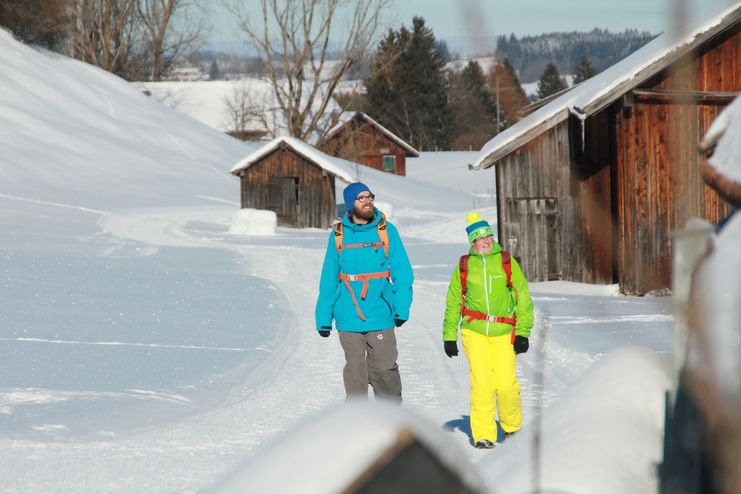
(507, 435)
(484, 444)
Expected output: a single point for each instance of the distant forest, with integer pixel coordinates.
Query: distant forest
(530, 54)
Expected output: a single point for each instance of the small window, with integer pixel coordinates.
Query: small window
(389, 163)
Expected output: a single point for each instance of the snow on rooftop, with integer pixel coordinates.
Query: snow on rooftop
(347, 116)
(342, 169)
(597, 92)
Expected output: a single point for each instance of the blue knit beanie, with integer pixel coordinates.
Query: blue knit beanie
(351, 192)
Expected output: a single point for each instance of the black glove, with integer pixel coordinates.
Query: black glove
(451, 348)
(399, 322)
(521, 344)
(324, 332)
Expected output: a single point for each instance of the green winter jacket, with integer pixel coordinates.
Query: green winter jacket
(487, 292)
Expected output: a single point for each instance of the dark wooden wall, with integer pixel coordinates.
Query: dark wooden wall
(658, 184)
(300, 192)
(363, 143)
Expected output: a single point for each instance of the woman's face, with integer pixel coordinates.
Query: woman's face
(483, 245)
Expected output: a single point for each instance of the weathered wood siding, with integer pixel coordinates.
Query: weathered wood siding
(300, 192)
(555, 206)
(658, 181)
(363, 143)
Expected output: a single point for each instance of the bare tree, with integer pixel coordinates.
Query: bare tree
(293, 42)
(247, 115)
(171, 28)
(104, 33)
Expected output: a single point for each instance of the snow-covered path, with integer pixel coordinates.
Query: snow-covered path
(300, 376)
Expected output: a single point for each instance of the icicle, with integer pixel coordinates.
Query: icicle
(579, 113)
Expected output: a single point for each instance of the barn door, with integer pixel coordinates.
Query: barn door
(532, 226)
(283, 199)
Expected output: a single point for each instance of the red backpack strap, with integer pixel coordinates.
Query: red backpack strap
(463, 268)
(507, 265)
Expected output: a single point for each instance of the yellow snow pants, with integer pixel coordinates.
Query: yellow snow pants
(491, 361)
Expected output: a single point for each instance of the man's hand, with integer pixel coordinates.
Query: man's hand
(399, 322)
(324, 332)
(451, 348)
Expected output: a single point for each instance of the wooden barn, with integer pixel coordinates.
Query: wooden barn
(359, 138)
(591, 185)
(295, 180)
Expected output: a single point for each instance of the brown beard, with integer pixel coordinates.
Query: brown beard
(366, 215)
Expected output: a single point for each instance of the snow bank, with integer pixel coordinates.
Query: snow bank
(606, 430)
(386, 209)
(253, 222)
(345, 448)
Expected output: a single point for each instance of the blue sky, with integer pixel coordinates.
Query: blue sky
(453, 20)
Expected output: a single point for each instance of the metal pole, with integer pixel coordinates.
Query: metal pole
(689, 246)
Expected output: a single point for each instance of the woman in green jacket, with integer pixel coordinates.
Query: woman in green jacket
(489, 300)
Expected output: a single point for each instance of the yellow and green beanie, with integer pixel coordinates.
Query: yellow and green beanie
(477, 226)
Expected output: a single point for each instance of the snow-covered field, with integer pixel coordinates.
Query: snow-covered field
(144, 348)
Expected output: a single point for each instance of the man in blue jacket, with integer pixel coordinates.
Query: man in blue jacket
(366, 287)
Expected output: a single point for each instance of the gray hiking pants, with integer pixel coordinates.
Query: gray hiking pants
(371, 358)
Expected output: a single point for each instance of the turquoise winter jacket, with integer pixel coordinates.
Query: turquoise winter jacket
(386, 299)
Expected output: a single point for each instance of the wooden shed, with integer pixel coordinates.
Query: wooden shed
(295, 180)
(359, 138)
(591, 185)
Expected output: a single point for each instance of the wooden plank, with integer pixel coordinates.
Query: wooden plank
(687, 97)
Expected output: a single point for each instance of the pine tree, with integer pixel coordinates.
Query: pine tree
(506, 88)
(474, 109)
(407, 91)
(214, 74)
(584, 71)
(550, 81)
(36, 22)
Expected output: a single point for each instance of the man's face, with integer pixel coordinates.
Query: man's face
(363, 207)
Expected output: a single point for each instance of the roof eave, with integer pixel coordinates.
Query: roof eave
(495, 156)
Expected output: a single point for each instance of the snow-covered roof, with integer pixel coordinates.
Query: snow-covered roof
(725, 135)
(596, 93)
(342, 169)
(348, 116)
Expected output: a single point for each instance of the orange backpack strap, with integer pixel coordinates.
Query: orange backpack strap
(383, 235)
(338, 237)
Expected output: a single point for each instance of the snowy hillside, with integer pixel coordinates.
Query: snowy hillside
(79, 135)
(144, 348)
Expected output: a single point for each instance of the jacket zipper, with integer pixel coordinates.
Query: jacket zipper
(486, 295)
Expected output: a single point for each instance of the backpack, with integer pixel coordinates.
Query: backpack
(382, 234)
(364, 277)
(471, 314)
